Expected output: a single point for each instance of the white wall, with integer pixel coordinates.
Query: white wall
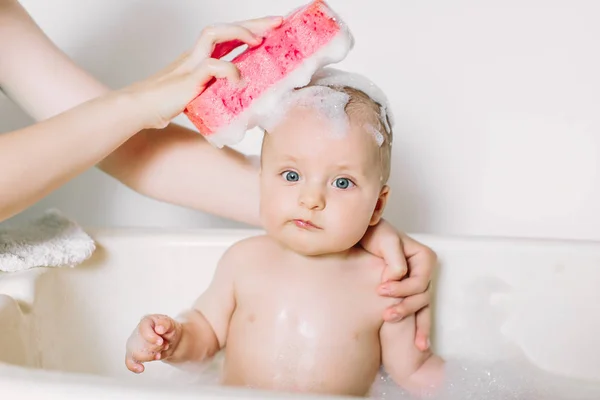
(497, 104)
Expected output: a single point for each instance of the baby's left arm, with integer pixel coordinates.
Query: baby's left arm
(419, 372)
(410, 266)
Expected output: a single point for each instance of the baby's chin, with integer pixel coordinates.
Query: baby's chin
(311, 244)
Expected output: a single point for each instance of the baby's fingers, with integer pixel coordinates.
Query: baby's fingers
(142, 355)
(163, 325)
(140, 350)
(133, 365)
(147, 332)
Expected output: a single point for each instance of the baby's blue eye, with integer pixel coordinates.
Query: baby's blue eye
(291, 176)
(343, 183)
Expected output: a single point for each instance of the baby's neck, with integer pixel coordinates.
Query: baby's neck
(325, 258)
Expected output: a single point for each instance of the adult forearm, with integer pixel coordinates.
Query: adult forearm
(174, 165)
(179, 166)
(40, 158)
(34, 73)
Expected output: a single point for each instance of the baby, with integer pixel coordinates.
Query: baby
(274, 302)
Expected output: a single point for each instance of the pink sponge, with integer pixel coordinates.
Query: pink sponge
(309, 38)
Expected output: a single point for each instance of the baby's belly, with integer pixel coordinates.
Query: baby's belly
(283, 352)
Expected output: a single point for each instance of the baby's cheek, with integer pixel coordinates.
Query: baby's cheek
(350, 226)
(274, 211)
(268, 199)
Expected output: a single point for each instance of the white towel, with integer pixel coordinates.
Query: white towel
(51, 240)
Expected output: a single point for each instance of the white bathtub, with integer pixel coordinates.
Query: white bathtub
(63, 331)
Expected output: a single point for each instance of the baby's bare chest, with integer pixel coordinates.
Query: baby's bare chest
(311, 302)
(306, 329)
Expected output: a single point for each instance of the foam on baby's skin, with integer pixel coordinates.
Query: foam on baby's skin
(270, 101)
(379, 138)
(329, 103)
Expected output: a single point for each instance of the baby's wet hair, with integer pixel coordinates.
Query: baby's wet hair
(362, 109)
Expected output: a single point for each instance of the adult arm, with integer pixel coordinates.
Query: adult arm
(84, 122)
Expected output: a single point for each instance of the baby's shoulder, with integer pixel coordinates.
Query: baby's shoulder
(251, 243)
(365, 260)
(368, 271)
(253, 249)
(366, 267)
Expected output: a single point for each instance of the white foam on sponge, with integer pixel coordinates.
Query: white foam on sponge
(261, 110)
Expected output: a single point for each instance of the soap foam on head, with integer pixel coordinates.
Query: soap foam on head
(324, 95)
(334, 77)
(330, 104)
(378, 136)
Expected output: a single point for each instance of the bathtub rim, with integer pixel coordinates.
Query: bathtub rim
(228, 236)
(22, 382)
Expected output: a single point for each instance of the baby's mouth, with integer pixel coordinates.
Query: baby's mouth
(300, 223)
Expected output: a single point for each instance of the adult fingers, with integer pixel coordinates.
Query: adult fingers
(408, 287)
(258, 27)
(210, 36)
(408, 306)
(213, 68)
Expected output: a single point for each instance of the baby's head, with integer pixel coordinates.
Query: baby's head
(324, 168)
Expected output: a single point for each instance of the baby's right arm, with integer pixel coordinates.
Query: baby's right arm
(197, 334)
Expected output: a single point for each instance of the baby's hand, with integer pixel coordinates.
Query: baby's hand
(155, 338)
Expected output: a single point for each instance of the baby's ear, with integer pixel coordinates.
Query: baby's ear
(380, 206)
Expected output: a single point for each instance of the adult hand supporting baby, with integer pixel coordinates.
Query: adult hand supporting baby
(410, 266)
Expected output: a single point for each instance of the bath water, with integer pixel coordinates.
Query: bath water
(513, 379)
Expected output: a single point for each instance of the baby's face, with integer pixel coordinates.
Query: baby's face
(319, 191)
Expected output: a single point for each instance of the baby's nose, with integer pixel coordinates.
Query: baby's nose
(312, 198)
